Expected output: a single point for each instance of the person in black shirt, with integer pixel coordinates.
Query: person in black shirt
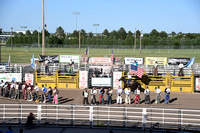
(29, 122)
(50, 94)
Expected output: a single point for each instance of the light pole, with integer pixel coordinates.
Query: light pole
(76, 13)
(141, 42)
(38, 37)
(96, 25)
(43, 35)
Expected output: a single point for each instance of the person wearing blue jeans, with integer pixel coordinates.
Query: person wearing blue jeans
(109, 96)
(167, 95)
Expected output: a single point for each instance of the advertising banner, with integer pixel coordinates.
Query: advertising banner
(52, 59)
(160, 60)
(83, 79)
(9, 77)
(130, 60)
(67, 58)
(116, 77)
(197, 85)
(29, 78)
(100, 61)
(176, 61)
(101, 81)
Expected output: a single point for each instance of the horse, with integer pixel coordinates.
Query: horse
(133, 84)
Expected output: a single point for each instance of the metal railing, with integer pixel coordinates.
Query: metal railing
(101, 116)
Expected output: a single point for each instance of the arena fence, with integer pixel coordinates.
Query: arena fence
(175, 83)
(101, 116)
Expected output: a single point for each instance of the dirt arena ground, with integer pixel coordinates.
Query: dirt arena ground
(74, 96)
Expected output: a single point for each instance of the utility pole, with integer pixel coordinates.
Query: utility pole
(11, 42)
(38, 37)
(135, 40)
(43, 35)
(79, 41)
(141, 42)
(96, 27)
(76, 13)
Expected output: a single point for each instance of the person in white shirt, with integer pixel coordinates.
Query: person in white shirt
(147, 95)
(85, 96)
(93, 96)
(128, 93)
(158, 92)
(180, 66)
(119, 95)
(167, 95)
(2, 87)
(46, 63)
(12, 88)
(36, 93)
(155, 72)
(17, 91)
(137, 95)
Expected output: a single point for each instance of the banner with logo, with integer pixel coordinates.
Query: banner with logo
(67, 58)
(116, 77)
(9, 77)
(130, 60)
(100, 61)
(197, 85)
(29, 78)
(176, 61)
(152, 60)
(100, 81)
(83, 79)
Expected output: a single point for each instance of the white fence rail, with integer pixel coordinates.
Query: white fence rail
(101, 116)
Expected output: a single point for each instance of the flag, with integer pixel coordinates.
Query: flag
(191, 62)
(32, 64)
(137, 71)
(87, 51)
(9, 61)
(112, 56)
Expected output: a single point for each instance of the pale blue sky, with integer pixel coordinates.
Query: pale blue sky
(163, 15)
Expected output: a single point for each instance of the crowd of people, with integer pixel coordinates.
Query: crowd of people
(120, 92)
(16, 90)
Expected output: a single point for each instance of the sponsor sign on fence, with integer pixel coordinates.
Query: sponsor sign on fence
(197, 86)
(176, 61)
(152, 60)
(67, 58)
(100, 61)
(116, 77)
(9, 77)
(101, 81)
(130, 60)
(29, 78)
(83, 79)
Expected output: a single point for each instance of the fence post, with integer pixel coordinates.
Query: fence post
(91, 117)
(144, 118)
(39, 114)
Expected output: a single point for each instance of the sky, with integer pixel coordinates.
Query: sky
(162, 15)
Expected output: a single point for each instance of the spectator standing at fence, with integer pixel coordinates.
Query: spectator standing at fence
(55, 97)
(36, 93)
(147, 96)
(101, 95)
(29, 122)
(17, 91)
(71, 63)
(9, 130)
(50, 94)
(30, 89)
(46, 63)
(93, 96)
(155, 71)
(128, 93)
(137, 95)
(24, 89)
(167, 95)
(7, 89)
(44, 90)
(12, 90)
(158, 93)
(180, 66)
(109, 96)
(2, 87)
(85, 97)
(119, 95)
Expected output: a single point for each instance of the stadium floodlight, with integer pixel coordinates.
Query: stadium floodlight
(76, 13)
(96, 25)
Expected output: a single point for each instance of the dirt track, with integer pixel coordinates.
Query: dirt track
(74, 96)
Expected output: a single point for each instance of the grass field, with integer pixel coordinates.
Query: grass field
(23, 55)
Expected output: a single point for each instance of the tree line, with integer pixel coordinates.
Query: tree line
(115, 37)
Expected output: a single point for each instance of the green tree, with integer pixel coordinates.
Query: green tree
(137, 34)
(173, 33)
(122, 33)
(60, 32)
(83, 33)
(154, 32)
(114, 34)
(75, 34)
(105, 33)
(91, 34)
(28, 33)
(163, 34)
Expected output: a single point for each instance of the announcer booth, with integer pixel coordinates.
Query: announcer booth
(100, 72)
